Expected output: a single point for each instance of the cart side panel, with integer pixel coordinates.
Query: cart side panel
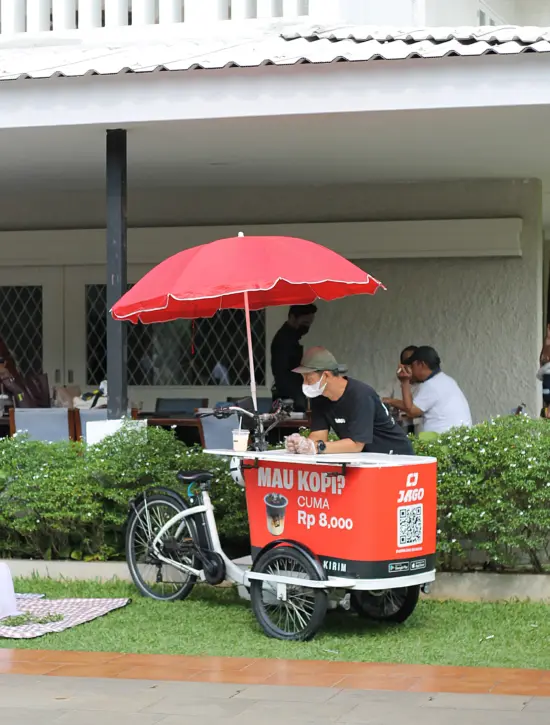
(366, 523)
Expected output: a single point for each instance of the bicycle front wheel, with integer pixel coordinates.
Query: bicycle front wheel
(155, 578)
(301, 612)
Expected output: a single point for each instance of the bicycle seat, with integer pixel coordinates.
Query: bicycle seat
(195, 476)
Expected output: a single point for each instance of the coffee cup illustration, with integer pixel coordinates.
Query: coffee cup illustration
(275, 504)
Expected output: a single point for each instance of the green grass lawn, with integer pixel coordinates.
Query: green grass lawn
(217, 622)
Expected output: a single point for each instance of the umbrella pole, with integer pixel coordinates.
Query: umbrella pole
(250, 352)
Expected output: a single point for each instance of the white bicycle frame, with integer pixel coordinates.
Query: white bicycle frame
(237, 575)
(234, 572)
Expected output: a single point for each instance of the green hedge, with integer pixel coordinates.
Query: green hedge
(61, 500)
(493, 494)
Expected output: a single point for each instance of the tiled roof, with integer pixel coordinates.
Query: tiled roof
(253, 46)
(371, 43)
(466, 35)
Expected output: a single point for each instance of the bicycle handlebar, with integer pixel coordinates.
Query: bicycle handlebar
(281, 409)
(226, 411)
(262, 423)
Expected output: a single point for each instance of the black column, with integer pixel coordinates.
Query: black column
(117, 376)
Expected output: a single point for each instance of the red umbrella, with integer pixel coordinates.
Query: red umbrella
(241, 272)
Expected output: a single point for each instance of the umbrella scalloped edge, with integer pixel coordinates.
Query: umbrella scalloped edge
(156, 306)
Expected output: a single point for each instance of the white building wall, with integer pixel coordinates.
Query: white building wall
(533, 12)
(468, 309)
(449, 13)
(379, 12)
(453, 13)
(484, 315)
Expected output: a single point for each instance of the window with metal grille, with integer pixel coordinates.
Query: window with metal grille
(183, 352)
(21, 326)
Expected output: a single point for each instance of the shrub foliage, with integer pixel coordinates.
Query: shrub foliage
(63, 500)
(493, 493)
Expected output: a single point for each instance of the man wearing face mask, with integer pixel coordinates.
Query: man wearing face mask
(286, 353)
(349, 407)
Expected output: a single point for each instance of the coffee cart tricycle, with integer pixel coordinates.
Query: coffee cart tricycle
(357, 530)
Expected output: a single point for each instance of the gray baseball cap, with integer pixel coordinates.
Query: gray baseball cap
(317, 359)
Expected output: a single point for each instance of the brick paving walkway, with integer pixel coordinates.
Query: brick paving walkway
(303, 673)
(40, 700)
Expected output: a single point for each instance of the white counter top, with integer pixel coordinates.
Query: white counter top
(355, 460)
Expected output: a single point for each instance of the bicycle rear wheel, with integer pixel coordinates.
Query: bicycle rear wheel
(387, 605)
(154, 578)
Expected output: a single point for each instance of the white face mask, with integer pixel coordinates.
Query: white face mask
(315, 390)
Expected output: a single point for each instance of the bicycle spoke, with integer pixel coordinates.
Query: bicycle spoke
(159, 577)
(383, 604)
(293, 614)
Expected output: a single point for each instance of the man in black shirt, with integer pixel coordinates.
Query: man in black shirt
(286, 353)
(349, 407)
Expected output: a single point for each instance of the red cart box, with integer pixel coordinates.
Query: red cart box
(365, 516)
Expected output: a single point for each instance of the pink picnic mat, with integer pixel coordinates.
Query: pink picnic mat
(72, 611)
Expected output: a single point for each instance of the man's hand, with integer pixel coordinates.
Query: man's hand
(296, 443)
(404, 373)
(291, 442)
(306, 447)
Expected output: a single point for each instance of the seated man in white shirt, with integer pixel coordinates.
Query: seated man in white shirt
(437, 401)
(392, 391)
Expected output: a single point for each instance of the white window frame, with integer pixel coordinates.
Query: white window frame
(487, 16)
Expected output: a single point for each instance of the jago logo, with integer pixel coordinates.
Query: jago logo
(412, 492)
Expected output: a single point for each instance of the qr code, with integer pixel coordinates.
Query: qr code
(410, 525)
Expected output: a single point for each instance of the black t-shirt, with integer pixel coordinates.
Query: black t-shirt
(286, 354)
(360, 415)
